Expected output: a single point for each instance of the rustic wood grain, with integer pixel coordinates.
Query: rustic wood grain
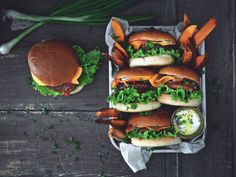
(27, 146)
(217, 158)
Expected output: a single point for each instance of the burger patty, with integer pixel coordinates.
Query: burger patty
(142, 86)
(65, 88)
(186, 84)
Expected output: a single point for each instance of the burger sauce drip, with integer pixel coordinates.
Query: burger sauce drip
(65, 88)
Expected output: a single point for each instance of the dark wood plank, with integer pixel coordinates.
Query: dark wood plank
(234, 91)
(216, 158)
(34, 144)
(169, 18)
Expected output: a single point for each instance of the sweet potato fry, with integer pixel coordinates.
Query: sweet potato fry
(118, 31)
(201, 35)
(106, 112)
(189, 53)
(116, 123)
(118, 56)
(187, 34)
(116, 133)
(121, 64)
(200, 61)
(120, 48)
(186, 21)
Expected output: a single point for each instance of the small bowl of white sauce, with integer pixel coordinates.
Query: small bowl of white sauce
(189, 121)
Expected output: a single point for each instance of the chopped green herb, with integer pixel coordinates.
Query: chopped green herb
(55, 145)
(102, 174)
(27, 110)
(50, 126)
(45, 111)
(71, 140)
(68, 140)
(77, 145)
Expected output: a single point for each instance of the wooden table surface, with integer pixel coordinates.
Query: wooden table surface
(36, 131)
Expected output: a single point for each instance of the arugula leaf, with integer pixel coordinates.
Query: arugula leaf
(152, 134)
(90, 62)
(150, 49)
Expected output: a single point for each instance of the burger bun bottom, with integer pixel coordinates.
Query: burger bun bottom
(160, 60)
(140, 107)
(166, 99)
(155, 143)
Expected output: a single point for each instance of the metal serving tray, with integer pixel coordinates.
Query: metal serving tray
(188, 147)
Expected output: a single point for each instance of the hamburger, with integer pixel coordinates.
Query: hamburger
(180, 88)
(132, 91)
(152, 48)
(57, 68)
(152, 130)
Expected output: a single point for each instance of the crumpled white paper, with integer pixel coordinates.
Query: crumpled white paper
(137, 157)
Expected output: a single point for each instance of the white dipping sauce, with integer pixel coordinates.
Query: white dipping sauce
(188, 121)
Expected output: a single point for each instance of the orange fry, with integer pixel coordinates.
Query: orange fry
(186, 21)
(189, 53)
(116, 123)
(106, 112)
(200, 61)
(119, 58)
(187, 34)
(118, 31)
(115, 59)
(120, 48)
(201, 35)
(116, 133)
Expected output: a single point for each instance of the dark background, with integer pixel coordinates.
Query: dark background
(37, 142)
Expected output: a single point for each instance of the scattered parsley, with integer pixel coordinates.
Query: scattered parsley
(45, 111)
(71, 140)
(50, 126)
